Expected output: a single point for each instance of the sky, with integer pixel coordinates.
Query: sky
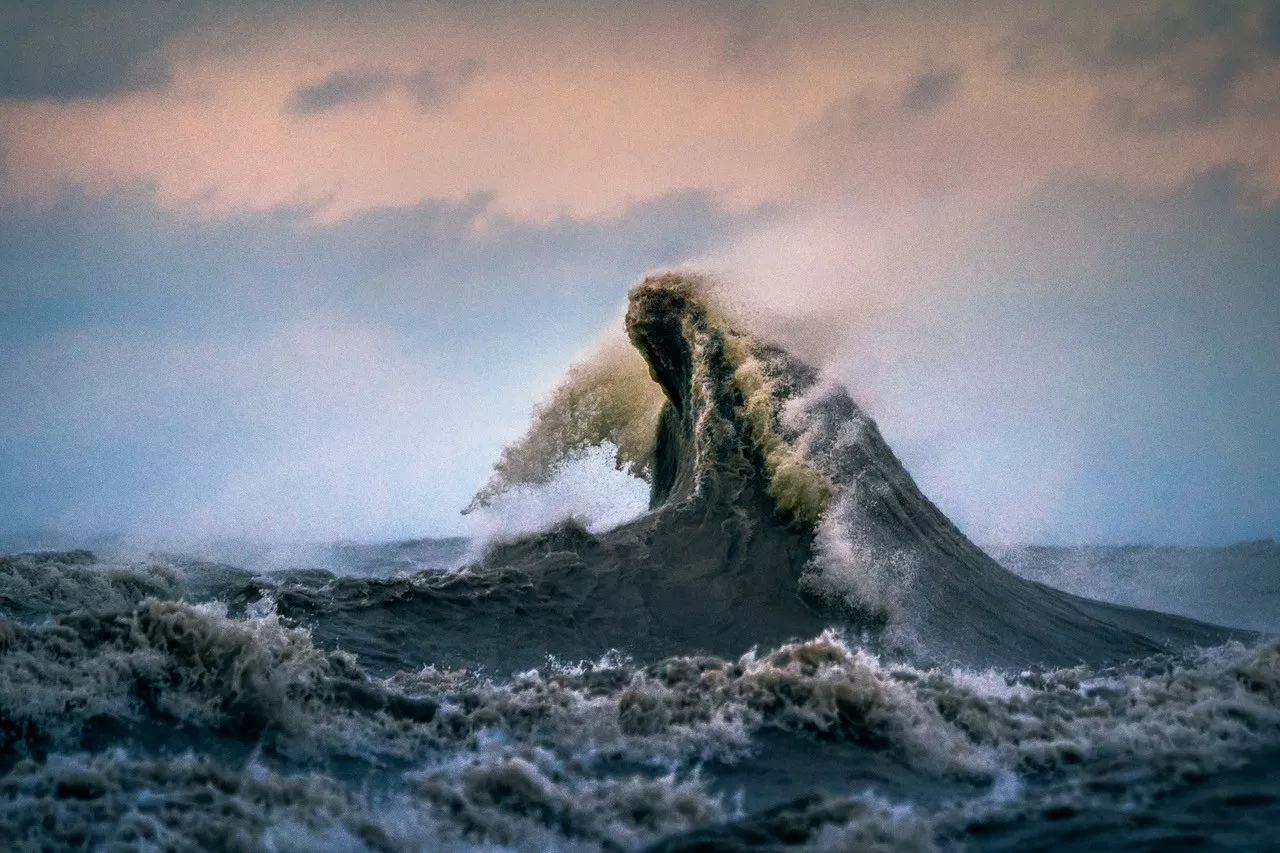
(299, 269)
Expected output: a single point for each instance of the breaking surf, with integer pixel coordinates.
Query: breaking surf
(792, 648)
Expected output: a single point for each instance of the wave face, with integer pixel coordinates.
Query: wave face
(792, 649)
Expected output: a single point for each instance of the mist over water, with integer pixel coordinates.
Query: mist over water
(1077, 368)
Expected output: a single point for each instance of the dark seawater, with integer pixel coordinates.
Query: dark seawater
(165, 704)
(792, 650)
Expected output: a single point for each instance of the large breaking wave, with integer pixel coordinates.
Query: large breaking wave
(776, 509)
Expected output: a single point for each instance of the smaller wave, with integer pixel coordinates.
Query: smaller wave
(816, 824)
(1158, 721)
(40, 584)
(531, 803)
(190, 667)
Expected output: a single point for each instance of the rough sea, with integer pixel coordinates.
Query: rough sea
(792, 649)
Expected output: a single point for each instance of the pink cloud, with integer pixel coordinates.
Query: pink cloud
(585, 113)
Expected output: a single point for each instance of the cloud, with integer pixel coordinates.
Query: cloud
(431, 88)
(1163, 67)
(67, 50)
(339, 89)
(1271, 29)
(1172, 27)
(585, 110)
(930, 91)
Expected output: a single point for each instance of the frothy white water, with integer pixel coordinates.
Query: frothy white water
(588, 487)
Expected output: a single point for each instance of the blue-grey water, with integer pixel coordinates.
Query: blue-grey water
(164, 703)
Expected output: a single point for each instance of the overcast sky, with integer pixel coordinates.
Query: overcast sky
(299, 269)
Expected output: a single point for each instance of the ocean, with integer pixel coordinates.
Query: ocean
(791, 649)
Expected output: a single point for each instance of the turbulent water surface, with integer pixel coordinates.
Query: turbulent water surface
(792, 649)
